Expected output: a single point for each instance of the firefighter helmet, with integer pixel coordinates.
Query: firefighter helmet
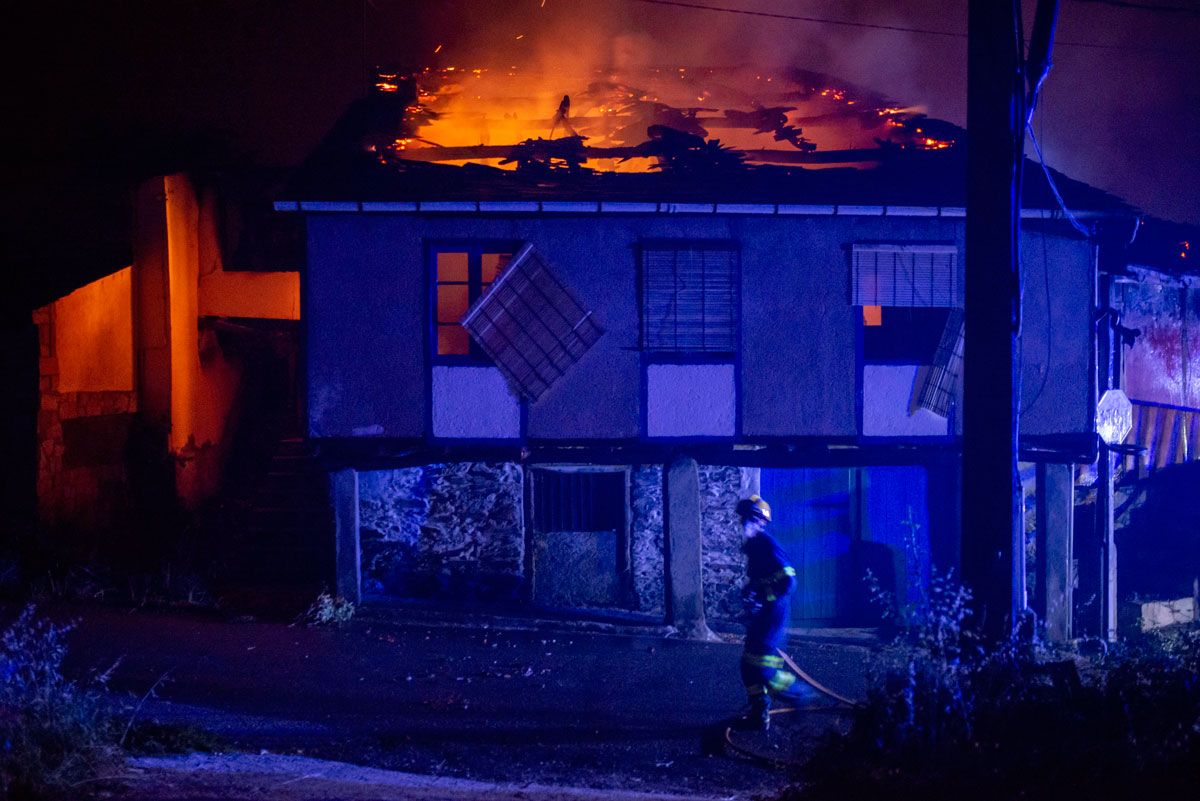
(754, 507)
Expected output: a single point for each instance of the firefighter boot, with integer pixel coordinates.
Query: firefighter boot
(758, 718)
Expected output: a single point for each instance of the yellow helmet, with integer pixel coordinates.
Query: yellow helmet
(755, 507)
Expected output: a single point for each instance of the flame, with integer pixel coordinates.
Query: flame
(612, 112)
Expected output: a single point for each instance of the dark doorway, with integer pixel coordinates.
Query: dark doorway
(578, 542)
(838, 523)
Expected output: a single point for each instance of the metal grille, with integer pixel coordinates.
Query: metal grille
(689, 299)
(904, 275)
(530, 325)
(938, 382)
(579, 501)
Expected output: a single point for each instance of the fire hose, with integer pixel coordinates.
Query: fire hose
(804, 676)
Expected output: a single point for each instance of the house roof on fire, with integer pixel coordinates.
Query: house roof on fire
(382, 151)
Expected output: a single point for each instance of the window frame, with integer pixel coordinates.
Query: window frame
(650, 357)
(532, 526)
(475, 250)
(683, 355)
(957, 284)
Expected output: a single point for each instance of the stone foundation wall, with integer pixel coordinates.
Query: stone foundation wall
(85, 490)
(646, 484)
(723, 563)
(452, 531)
(722, 560)
(456, 531)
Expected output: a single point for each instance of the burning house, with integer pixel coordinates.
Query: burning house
(555, 328)
(552, 327)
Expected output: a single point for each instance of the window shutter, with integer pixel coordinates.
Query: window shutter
(904, 275)
(688, 299)
(936, 384)
(530, 325)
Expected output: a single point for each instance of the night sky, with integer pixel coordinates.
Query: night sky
(109, 90)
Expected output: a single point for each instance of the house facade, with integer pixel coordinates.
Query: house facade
(629, 368)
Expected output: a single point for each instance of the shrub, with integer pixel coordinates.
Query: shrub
(947, 718)
(54, 734)
(329, 610)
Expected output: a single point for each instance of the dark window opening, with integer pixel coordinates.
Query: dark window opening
(904, 335)
(579, 501)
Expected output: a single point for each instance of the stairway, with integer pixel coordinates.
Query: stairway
(284, 545)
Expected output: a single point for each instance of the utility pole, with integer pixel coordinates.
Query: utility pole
(992, 528)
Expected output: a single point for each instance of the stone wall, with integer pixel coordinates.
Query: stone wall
(456, 531)
(82, 481)
(647, 546)
(452, 531)
(723, 560)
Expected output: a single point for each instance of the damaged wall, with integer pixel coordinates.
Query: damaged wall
(1161, 366)
(443, 530)
(87, 403)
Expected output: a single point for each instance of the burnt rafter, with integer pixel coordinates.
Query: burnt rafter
(546, 155)
(505, 117)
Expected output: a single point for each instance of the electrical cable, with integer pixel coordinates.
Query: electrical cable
(1080, 227)
(897, 28)
(1144, 7)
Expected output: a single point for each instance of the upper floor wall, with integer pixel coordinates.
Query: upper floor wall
(809, 353)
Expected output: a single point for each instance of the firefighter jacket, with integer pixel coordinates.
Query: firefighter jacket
(770, 582)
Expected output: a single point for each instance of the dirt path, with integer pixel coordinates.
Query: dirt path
(511, 707)
(293, 778)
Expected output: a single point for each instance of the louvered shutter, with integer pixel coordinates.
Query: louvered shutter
(688, 299)
(905, 275)
(936, 384)
(530, 325)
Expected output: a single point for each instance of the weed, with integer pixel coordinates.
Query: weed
(329, 610)
(55, 734)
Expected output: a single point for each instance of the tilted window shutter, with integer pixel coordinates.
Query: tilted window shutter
(937, 383)
(689, 299)
(531, 325)
(904, 275)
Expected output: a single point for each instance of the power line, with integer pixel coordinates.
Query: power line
(898, 28)
(798, 18)
(1145, 7)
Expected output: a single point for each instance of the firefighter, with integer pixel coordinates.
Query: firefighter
(770, 580)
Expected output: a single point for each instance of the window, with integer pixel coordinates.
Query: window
(689, 298)
(911, 305)
(905, 275)
(461, 276)
(531, 325)
(904, 335)
(579, 501)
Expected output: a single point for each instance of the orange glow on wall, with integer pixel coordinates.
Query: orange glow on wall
(872, 315)
(263, 295)
(93, 336)
(183, 258)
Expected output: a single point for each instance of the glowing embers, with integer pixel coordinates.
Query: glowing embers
(531, 325)
(522, 119)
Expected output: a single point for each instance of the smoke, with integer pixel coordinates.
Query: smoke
(1121, 117)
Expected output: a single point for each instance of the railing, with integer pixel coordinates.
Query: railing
(1169, 434)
